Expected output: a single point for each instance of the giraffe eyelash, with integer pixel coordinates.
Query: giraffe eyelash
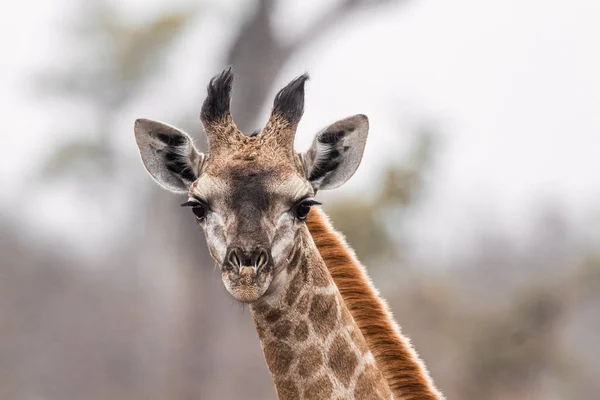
(195, 202)
(309, 202)
(191, 203)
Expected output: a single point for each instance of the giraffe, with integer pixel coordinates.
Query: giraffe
(252, 195)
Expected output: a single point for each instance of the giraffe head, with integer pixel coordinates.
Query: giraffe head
(251, 193)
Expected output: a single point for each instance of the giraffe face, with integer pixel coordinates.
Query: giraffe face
(251, 213)
(251, 194)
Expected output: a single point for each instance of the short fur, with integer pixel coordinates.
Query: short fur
(404, 371)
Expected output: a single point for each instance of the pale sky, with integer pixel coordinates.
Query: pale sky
(514, 87)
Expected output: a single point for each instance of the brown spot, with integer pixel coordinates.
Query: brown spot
(310, 361)
(370, 385)
(342, 360)
(287, 389)
(323, 314)
(294, 289)
(319, 389)
(273, 316)
(302, 306)
(320, 277)
(261, 308)
(301, 331)
(279, 356)
(282, 329)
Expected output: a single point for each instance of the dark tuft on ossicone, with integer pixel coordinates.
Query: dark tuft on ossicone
(216, 105)
(289, 102)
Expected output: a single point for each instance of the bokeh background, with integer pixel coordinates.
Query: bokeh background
(475, 208)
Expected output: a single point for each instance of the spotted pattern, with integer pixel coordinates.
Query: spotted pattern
(368, 385)
(260, 308)
(302, 306)
(342, 360)
(301, 331)
(323, 314)
(282, 329)
(312, 345)
(294, 289)
(322, 388)
(287, 389)
(310, 361)
(279, 357)
(273, 316)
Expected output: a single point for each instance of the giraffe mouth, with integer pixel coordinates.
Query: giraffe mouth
(247, 283)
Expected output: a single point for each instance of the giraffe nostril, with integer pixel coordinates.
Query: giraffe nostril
(262, 259)
(234, 258)
(237, 258)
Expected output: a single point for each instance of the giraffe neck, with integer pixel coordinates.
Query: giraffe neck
(312, 346)
(404, 371)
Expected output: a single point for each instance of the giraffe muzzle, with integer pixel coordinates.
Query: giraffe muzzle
(247, 274)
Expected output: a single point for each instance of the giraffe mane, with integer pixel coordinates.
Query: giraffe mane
(404, 371)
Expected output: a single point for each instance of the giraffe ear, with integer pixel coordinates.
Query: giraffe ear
(168, 154)
(336, 152)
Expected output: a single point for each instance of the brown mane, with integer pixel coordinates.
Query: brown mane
(405, 372)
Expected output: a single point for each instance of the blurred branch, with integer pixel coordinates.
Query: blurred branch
(333, 17)
(258, 56)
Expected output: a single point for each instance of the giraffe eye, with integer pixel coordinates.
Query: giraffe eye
(198, 208)
(199, 211)
(302, 208)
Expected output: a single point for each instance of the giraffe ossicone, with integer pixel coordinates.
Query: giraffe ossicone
(252, 195)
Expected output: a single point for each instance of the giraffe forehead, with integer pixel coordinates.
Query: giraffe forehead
(245, 183)
(264, 145)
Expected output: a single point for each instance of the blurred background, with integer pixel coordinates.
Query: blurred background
(476, 208)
